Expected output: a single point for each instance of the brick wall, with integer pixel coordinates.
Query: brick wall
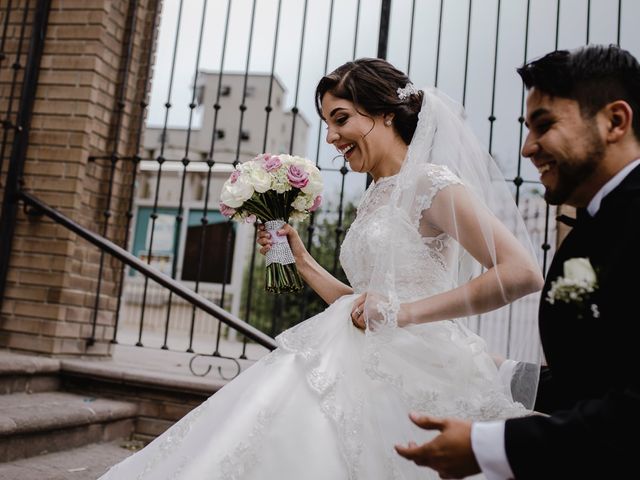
(51, 287)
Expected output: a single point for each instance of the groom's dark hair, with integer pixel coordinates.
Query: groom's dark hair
(372, 84)
(593, 76)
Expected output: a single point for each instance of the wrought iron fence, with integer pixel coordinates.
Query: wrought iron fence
(235, 78)
(469, 49)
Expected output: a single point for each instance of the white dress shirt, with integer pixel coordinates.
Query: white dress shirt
(487, 438)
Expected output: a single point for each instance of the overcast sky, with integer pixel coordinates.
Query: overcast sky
(421, 65)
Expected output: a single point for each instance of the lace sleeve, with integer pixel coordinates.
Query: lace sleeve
(435, 178)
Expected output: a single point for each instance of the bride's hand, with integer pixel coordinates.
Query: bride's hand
(403, 319)
(357, 312)
(295, 242)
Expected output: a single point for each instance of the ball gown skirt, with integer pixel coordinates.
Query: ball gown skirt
(329, 403)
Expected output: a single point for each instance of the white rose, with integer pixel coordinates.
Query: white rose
(297, 216)
(312, 169)
(314, 187)
(259, 178)
(300, 161)
(235, 194)
(302, 203)
(305, 163)
(579, 269)
(243, 167)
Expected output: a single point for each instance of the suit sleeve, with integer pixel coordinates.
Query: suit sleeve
(550, 397)
(593, 440)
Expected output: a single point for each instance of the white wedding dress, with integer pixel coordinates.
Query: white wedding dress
(331, 402)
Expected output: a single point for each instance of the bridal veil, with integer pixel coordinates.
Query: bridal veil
(444, 138)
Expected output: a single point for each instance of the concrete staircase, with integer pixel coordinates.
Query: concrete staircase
(37, 418)
(69, 419)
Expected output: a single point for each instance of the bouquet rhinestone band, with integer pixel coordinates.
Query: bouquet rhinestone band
(274, 189)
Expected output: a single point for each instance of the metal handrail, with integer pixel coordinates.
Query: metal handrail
(164, 280)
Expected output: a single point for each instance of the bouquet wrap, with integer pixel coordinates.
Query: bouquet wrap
(282, 275)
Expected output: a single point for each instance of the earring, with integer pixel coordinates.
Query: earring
(387, 123)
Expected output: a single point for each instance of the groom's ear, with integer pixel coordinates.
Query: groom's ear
(618, 116)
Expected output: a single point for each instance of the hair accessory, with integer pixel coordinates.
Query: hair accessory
(408, 90)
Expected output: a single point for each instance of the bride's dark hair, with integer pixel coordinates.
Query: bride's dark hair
(372, 84)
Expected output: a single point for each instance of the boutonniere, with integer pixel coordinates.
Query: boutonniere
(576, 285)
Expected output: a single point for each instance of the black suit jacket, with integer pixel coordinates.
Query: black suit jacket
(591, 388)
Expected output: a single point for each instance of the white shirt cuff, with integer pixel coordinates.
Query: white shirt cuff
(487, 442)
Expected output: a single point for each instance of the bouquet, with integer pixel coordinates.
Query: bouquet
(274, 189)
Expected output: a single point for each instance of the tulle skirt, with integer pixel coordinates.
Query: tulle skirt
(330, 403)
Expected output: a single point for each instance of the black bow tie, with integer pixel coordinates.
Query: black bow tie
(581, 216)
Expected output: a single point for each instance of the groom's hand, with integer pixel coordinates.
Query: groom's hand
(450, 453)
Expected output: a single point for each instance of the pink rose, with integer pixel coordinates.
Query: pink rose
(298, 177)
(226, 210)
(316, 203)
(234, 176)
(250, 219)
(271, 163)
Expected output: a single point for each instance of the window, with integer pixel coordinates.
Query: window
(225, 91)
(164, 238)
(217, 254)
(218, 241)
(244, 135)
(220, 134)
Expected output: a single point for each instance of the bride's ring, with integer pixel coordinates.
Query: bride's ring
(358, 312)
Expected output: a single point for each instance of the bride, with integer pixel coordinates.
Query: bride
(425, 251)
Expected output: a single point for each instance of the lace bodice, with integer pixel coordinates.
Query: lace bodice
(424, 261)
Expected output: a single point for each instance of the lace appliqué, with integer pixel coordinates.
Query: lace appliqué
(347, 418)
(271, 357)
(420, 270)
(245, 456)
(492, 405)
(439, 177)
(376, 195)
(389, 312)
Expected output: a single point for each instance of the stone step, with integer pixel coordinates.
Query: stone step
(33, 424)
(27, 374)
(83, 463)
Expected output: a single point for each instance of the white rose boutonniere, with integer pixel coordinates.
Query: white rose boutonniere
(578, 282)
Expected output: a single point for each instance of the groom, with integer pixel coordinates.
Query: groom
(583, 115)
